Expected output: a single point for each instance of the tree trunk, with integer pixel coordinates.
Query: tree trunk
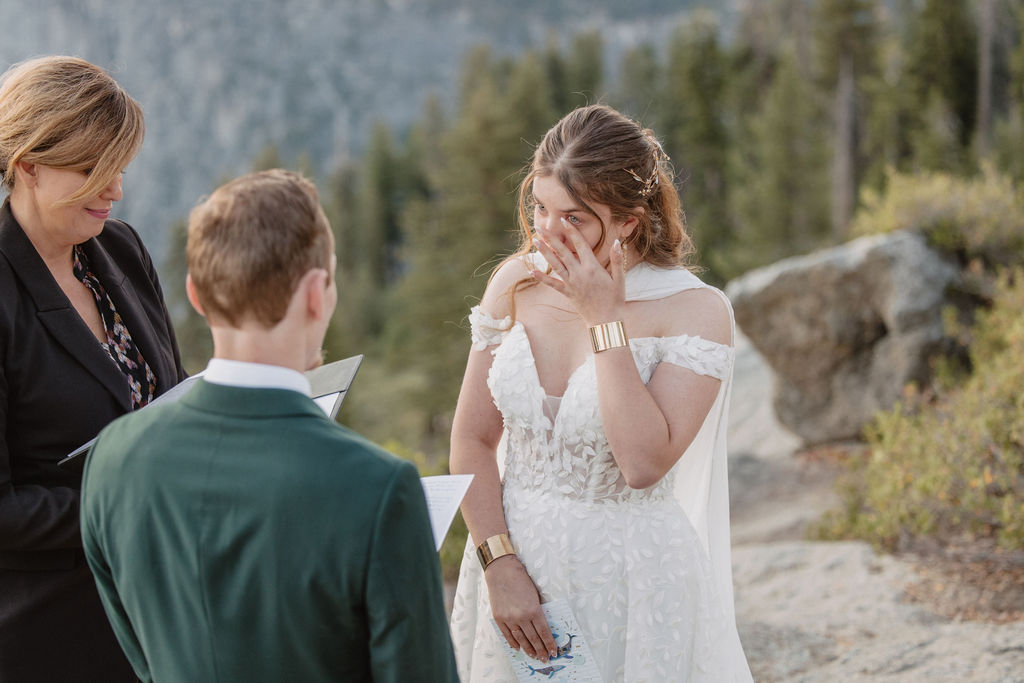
(844, 182)
(986, 32)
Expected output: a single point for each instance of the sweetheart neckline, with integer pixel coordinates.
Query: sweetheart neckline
(536, 374)
(588, 359)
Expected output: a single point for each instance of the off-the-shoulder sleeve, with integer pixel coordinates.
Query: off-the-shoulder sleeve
(486, 331)
(700, 355)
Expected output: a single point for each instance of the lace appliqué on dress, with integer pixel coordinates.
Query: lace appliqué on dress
(487, 331)
(693, 353)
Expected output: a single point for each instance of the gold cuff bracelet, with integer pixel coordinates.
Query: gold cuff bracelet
(494, 547)
(608, 336)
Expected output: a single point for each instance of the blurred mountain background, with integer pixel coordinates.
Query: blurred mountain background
(222, 81)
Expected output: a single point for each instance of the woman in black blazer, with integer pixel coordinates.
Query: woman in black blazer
(84, 337)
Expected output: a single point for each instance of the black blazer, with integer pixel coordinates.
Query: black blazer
(58, 388)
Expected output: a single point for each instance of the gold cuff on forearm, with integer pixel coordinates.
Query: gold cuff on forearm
(608, 336)
(494, 547)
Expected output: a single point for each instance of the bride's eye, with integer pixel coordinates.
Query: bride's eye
(575, 220)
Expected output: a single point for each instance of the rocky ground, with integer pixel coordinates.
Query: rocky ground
(824, 611)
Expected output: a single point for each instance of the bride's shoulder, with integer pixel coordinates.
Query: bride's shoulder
(496, 301)
(697, 312)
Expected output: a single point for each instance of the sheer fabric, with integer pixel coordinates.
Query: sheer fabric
(647, 572)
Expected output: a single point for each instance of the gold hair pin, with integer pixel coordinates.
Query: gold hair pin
(647, 186)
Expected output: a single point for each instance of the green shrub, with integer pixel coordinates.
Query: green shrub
(977, 217)
(949, 465)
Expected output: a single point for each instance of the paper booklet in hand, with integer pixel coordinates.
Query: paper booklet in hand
(574, 662)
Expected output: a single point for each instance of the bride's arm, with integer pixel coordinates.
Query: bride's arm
(476, 430)
(648, 427)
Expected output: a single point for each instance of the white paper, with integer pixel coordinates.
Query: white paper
(444, 494)
(575, 661)
(326, 402)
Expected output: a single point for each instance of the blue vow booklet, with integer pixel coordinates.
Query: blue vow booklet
(574, 662)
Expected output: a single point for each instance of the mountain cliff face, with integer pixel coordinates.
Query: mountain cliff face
(222, 80)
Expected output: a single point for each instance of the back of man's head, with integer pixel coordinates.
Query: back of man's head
(252, 241)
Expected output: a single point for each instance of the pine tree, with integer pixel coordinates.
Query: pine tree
(781, 161)
(190, 328)
(889, 104)
(639, 87)
(691, 122)
(557, 79)
(584, 70)
(349, 331)
(377, 207)
(941, 73)
(986, 57)
(1008, 130)
(846, 55)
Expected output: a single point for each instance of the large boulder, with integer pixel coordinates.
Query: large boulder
(846, 328)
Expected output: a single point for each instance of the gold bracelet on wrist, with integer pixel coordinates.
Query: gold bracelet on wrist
(494, 547)
(608, 336)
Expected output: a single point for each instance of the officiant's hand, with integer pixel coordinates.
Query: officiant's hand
(597, 292)
(515, 604)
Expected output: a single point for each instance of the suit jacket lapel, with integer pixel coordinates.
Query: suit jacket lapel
(54, 310)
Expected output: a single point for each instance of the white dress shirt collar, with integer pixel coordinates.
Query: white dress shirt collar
(237, 373)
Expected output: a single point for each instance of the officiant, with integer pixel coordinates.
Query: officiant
(84, 337)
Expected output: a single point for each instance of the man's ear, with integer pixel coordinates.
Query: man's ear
(193, 298)
(314, 284)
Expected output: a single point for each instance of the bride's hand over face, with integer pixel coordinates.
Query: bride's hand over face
(597, 292)
(515, 605)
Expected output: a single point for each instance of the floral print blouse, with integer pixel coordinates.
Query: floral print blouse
(119, 345)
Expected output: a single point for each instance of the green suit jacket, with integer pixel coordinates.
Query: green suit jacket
(240, 535)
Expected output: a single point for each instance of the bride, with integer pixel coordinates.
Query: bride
(606, 365)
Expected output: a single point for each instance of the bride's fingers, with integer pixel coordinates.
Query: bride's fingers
(547, 640)
(509, 638)
(535, 645)
(562, 250)
(544, 249)
(552, 282)
(519, 640)
(584, 251)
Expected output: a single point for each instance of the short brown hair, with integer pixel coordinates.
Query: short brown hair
(251, 242)
(64, 112)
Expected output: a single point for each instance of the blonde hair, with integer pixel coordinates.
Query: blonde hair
(601, 156)
(64, 112)
(251, 242)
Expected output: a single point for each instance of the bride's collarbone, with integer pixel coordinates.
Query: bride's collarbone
(551, 317)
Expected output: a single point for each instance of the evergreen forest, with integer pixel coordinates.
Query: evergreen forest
(780, 127)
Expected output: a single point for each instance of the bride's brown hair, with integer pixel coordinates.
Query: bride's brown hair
(603, 157)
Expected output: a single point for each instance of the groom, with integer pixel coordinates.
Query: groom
(239, 534)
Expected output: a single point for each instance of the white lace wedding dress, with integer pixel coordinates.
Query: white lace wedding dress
(646, 572)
